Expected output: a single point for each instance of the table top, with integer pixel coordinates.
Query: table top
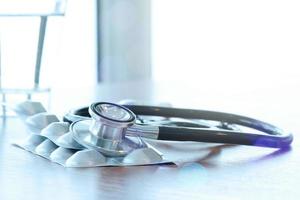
(220, 171)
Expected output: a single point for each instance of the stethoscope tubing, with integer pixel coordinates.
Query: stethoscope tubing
(273, 137)
(276, 137)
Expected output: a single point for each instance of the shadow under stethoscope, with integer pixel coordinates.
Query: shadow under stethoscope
(208, 154)
(269, 156)
(182, 152)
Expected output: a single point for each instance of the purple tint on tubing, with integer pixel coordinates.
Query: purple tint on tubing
(275, 141)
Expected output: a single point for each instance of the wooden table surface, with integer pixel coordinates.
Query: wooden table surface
(223, 172)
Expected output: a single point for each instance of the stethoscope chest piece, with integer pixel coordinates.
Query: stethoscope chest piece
(106, 131)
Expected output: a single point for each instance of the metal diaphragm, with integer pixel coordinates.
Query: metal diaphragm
(106, 131)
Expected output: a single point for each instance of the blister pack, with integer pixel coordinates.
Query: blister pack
(50, 138)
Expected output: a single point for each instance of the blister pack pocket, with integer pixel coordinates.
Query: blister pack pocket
(52, 139)
(67, 157)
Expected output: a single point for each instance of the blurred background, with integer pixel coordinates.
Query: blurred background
(221, 43)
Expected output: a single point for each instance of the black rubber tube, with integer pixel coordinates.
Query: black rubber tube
(206, 115)
(224, 136)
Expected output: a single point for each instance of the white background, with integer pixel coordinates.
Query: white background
(226, 43)
(221, 43)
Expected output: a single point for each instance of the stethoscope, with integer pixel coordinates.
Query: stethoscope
(116, 130)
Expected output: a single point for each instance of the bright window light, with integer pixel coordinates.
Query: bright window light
(69, 48)
(230, 42)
